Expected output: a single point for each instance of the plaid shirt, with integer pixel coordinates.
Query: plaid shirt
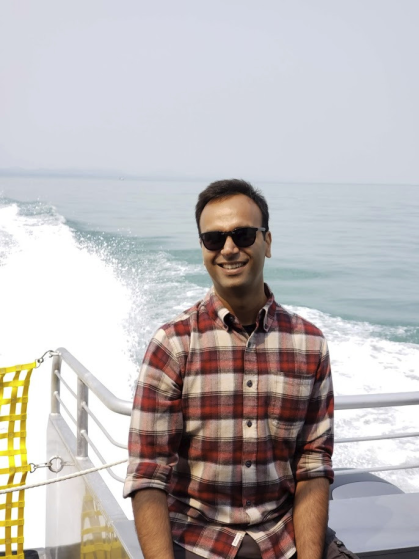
(226, 424)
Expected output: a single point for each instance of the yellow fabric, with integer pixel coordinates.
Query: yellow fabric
(14, 387)
(98, 539)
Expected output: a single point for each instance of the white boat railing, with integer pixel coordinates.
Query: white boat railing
(86, 382)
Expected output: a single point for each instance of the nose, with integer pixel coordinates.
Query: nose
(229, 247)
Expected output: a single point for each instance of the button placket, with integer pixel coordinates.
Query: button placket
(250, 385)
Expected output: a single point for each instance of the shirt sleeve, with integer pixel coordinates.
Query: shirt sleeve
(156, 420)
(314, 451)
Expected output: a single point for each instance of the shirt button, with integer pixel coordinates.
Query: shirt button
(249, 383)
(249, 423)
(248, 463)
(248, 503)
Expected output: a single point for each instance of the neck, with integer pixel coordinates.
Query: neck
(245, 307)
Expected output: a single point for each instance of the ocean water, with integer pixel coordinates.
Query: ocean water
(96, 265)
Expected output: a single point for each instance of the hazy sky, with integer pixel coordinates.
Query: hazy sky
(289, 90)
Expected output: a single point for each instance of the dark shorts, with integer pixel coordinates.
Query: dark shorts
(334, 548)
(249, 549)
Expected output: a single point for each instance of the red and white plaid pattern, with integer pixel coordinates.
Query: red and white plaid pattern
(226, 424)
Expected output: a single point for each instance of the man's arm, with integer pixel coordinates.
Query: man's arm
(311, 506)
(155, 432)
(313, 465)
(152, 523)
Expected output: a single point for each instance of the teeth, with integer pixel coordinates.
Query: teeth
(232, 266)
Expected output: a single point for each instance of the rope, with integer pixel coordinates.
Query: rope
(62, 478)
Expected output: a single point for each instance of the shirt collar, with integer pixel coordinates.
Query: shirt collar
(219, 312)
(267, 312)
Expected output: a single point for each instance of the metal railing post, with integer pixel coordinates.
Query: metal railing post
(55, 383)
(82, 419)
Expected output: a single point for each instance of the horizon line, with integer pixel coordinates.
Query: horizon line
(120, 175)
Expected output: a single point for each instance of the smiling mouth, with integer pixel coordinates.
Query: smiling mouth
(232, 265)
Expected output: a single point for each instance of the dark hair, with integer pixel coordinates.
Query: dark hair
(230, 187)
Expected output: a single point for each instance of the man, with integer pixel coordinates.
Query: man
(232, 427)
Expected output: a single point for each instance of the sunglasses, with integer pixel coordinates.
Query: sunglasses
(242, 237)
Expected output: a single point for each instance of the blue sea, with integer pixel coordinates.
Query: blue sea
(96, 265)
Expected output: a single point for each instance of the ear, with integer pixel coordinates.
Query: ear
(268, 242)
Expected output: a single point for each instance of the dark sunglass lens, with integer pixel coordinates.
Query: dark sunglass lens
(244, 237)
(213, 240)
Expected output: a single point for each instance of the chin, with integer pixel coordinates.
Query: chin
(233, 286)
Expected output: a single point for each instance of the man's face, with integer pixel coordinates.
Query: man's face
(235, 270)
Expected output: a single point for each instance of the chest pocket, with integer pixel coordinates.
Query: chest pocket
(288, 397)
